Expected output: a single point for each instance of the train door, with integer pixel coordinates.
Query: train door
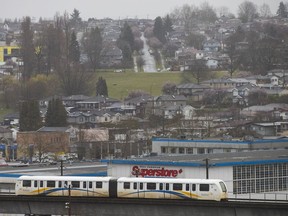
(36, 187)
(90, 188)
(204, 191)
(167, 194)
(113, 188)
(40, 187)
(187, 188)
(193, 191)
(60, 188)
(85, 188)
(67, 188)
(141, 191)
(161, 190)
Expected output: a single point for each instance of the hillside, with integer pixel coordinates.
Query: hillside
(120, 84)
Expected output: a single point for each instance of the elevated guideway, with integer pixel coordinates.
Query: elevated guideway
(140, 207)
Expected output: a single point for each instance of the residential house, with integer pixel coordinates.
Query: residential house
(268, 111)
(225, 83)
(95, 103)
(211, 45)
(158, 105)
(71, 101)
(269, 128)
(92, 118)
(192, 91)
(212, 63)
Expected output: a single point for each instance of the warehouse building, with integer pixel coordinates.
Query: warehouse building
(248, 174)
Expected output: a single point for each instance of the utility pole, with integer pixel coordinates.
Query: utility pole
(207, 168)
(61, 167)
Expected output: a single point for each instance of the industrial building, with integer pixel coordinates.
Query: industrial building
(250, 169)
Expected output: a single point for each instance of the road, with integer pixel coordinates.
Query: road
(149, 61)
(68, 169)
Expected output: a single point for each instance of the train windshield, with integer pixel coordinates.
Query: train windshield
(223, 187)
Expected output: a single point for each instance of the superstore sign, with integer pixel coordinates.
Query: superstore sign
(155, 171)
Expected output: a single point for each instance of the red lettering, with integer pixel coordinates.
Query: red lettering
(155, 172)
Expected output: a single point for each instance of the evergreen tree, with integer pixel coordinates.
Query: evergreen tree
(159, 30)
(168, 25)
(101, 87)
(27, 48)
(126, 44)
(56, 115)
(127, 35)
(74, 49)
(75, 20)
(282, 10)
(30, 119)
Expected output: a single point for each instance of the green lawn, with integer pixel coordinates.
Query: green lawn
(120, 84)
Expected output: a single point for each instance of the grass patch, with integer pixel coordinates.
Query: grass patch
(120, 84)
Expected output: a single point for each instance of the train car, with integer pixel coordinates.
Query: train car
(124, 187)
(167, 188)
(63, 186)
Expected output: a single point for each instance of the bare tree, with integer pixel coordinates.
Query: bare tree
(247, 11)
(264, 11)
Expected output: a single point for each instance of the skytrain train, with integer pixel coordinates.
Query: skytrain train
(123, 187)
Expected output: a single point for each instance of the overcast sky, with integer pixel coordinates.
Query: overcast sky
(114, 9)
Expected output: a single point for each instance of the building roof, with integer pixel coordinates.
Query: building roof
(53, 129)
(219, 159)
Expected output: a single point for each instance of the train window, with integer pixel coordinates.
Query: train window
(26, 183)
(35, 183)
(204, 187)
(84, 185)
(167, 186)
(135, 186)
(223, 187)
(141, 186)
(59, 184)
(187, 187)
(50, 183)
(193, 187)
(126, 185)
(66, 184)
(41, 183)
(75, 184)
(177, 186)
(161, 186)
(99, 184)
(151, 186)
(90, 184)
